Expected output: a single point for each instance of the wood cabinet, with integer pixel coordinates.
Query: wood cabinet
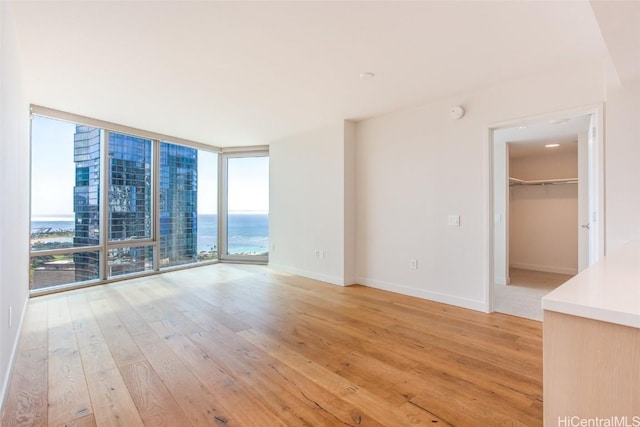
(591, 345)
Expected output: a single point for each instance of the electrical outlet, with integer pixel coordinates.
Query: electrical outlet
(321, 254)
(454, 220)
(413, 264)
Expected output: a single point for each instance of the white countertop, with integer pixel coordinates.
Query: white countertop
(608, 291)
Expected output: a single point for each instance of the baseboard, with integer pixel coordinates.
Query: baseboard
(545, 268)
(387, 286)
(429, 295)
(334, 280)
(12, 359)
(501, 281)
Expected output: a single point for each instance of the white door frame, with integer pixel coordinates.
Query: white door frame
(596, 189)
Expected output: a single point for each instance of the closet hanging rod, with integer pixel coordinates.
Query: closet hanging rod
(516, 181)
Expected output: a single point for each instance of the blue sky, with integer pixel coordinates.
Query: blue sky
(53, 170)
(53, 175)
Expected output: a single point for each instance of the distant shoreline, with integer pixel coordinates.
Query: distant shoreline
(248, 232)
(71, 218)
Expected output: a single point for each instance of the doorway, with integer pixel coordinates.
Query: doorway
(545, 208)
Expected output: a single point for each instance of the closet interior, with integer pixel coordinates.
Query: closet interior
(541, 200)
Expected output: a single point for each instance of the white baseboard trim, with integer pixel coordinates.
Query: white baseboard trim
(387, 286)
(334, 280)
(545, 268)
(12, 359)
(429, 295)
(501, 281)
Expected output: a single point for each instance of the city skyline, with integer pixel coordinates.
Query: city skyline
(53, 154)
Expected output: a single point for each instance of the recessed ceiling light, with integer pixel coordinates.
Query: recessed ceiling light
(367, 75)
(558, 121)
(522, 127)
(552, 145)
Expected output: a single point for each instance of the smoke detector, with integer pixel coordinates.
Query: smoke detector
(456, 112)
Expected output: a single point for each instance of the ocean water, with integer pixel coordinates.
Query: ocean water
(247, 233)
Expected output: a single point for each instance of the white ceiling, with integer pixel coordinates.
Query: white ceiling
(537, 149)
(247, 73)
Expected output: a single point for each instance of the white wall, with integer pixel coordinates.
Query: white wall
(417, 166)
(350, 214)
(14, 193)
(550, 165)
(622, 133)
(501, 216)
(543, 220)
(312, 207)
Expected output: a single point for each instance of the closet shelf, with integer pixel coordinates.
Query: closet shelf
(516, 181)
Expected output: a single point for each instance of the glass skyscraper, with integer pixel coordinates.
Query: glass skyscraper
(129, 212)
(86, 200)
(178, 204)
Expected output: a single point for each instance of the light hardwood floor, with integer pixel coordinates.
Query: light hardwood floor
(247, 346)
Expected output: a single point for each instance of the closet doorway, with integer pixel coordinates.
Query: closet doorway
(544, 205)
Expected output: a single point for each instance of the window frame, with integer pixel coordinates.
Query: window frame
(223, 205)
(106, 244)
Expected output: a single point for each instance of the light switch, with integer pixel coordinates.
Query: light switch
(454, 220)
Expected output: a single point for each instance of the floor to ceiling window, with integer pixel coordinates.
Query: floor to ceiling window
(65, 203)
(188, 205)
(178, 204)
(107, 203)
(207, 243)
(129, 208)
(245, 217)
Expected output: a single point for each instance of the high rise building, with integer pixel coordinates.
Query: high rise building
(86, 155)
(129, 198)
(178, 204)
(129, 212)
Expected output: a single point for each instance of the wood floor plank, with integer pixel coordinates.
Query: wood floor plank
(221, 384)
(315, 399)
(68, 393)
(123, 348)
(195, 400)
(445, 352)
(131, 320)
(174, 329)
(193, 397)
(362, 398)
(304, 401)
(86, 421)
(111, 401)
(444, 334)
(430, 354)
(28, 390)
(245, 345)
(154, 402)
